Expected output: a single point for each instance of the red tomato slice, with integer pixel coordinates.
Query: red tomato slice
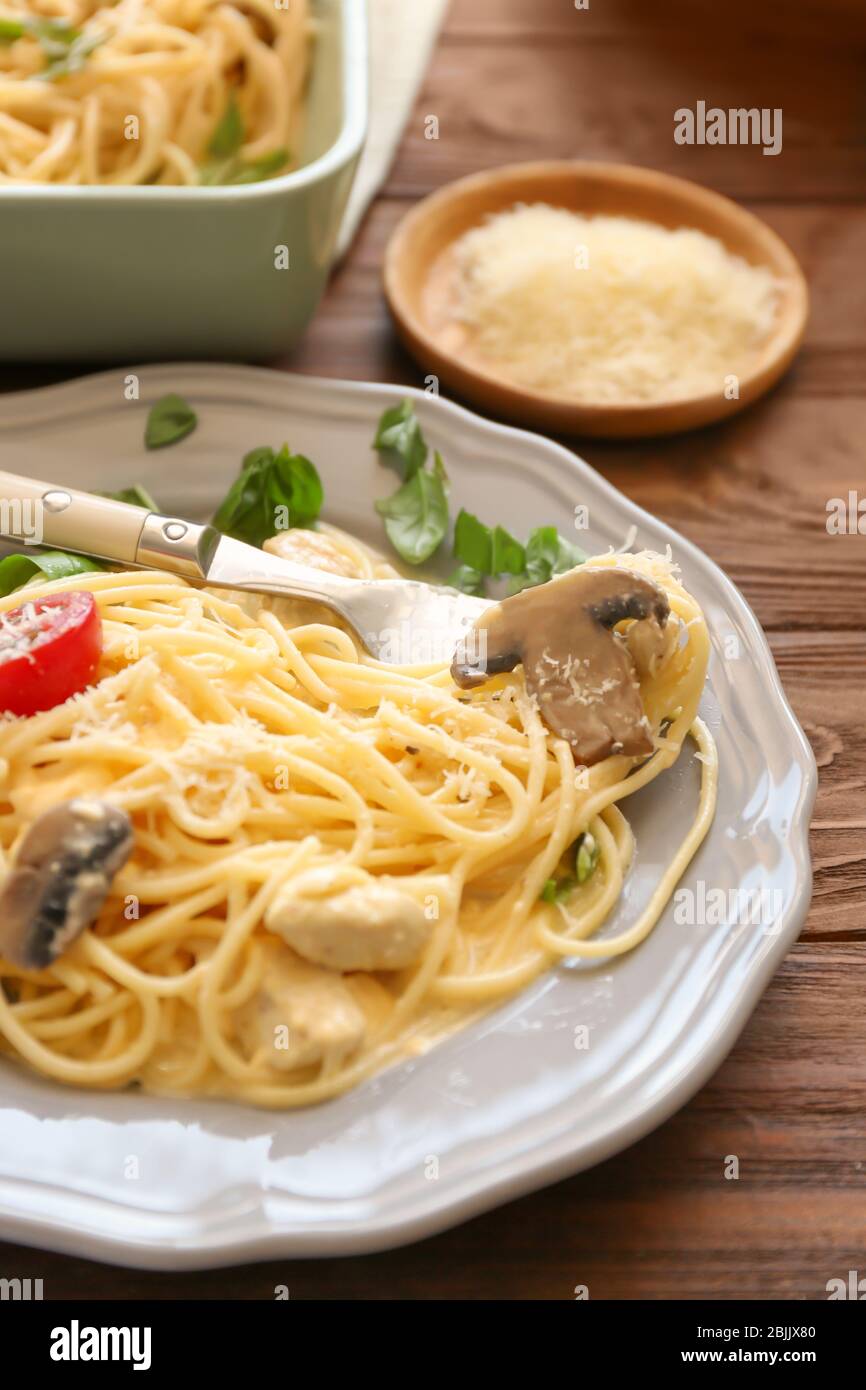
(49, 650)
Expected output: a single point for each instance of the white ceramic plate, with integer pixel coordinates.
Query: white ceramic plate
(511, 1103)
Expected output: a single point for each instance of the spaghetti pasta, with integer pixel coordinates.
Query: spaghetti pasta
(260, 754)
(150, 91)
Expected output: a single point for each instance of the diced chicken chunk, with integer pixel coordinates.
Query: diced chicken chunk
(303, 547)
(372, 923)
(301, 1016)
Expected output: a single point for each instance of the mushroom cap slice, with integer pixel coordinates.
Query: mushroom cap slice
(579, 670)
(60, 879)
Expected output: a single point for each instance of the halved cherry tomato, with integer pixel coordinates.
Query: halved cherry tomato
(49, 650)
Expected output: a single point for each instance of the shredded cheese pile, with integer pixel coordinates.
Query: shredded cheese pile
(609, 309)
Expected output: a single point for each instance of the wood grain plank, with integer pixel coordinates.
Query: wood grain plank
(604, 83)
(833, 23)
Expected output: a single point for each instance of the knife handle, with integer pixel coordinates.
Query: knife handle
(43, 514)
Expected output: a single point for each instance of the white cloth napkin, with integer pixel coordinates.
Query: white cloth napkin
(402, 35)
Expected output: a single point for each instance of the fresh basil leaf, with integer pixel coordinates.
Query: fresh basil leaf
(243, 511)
(473, 542)
(416, 516)
(507, 555)
(568, 555)
(468, 581)
(229, 134)
(135, 496)
(541, 552)
(66, 48)
(297, 485)
(169, 420)
(587, 856)
(18, 569)
(268, 482)
(257, 458)
(441, 471)
(257, 169)
(237, 171)
(55, 35)
(547, 554)
(400, 442)
(69, 58)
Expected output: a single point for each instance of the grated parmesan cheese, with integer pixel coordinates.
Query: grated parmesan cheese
(609, 309)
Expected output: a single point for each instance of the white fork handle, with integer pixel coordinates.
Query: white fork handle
(62, 519)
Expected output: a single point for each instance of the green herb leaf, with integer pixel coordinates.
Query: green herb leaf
(400, 442)
(468, 580)
(68, 57)
(507, 554)
(65, 47)
(541, 553)
(229, 134)
(586, 851)
(440, 471)
(257, 169)
(135, 496)
(238, 171)
(587, 856)
(18, 569)
(547, 554)
(269, 482)
(556, 890)
(495, 552)
(55, 35)
(416, 516)
(169, 420)
(473, 542)
(481, 550)
(295, 478)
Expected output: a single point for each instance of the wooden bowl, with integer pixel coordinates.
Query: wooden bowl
(420, 287)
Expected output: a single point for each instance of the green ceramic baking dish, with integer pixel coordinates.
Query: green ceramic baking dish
(101, 274)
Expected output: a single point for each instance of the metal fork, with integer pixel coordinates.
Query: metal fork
(400, 621)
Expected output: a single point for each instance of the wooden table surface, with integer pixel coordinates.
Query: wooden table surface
(526, 79)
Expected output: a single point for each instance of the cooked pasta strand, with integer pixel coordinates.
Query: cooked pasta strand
(251, 747)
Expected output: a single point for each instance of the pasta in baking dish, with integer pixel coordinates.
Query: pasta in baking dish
(179, 92)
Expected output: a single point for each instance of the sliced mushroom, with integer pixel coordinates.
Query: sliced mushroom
(577, 667)
(60, 878)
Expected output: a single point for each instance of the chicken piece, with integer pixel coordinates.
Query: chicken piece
(304, 547)
(317, 551)
(301, 1016)
(358, 922)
